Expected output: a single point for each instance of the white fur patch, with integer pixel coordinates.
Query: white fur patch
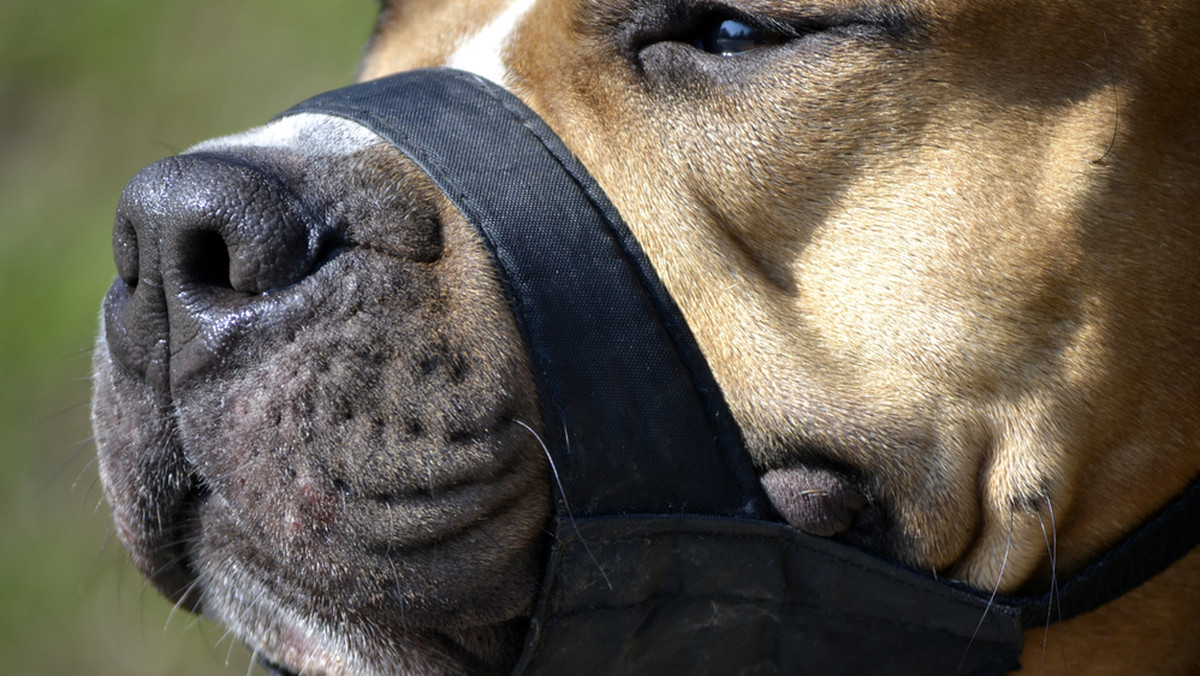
(482, 53)
(313, 132)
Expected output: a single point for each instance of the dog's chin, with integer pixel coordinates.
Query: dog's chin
(290, 643)
(321, 580)
(288, 638)
(316, 603)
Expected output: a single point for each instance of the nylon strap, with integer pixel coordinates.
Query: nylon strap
(713, 597)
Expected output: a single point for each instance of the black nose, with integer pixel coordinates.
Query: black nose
(200, 243)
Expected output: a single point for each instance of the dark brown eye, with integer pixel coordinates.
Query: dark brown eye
(728, 37)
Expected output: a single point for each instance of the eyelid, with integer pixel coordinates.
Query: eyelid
(783, 29)
(767, 25)
(798, 21)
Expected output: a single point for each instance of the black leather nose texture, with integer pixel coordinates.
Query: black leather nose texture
(200, 242)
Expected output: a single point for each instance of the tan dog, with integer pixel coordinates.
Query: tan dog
(953, 244)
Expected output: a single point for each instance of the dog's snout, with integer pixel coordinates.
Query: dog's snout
(199, 242)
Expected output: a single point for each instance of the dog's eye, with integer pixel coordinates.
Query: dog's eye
(728, 37)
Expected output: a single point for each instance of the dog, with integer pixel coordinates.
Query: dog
(951, 245)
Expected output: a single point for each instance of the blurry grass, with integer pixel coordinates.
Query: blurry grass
(90, 91)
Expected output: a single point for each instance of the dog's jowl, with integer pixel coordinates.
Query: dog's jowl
(941, 257)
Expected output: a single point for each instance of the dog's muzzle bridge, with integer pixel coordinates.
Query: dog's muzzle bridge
(669, 558)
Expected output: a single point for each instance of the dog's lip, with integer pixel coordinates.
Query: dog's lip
(163, 555)
(488, 501)
(301, 561)
(474, 503)
(816, 501)
(820, 488)
(298, 647)
(289, 645)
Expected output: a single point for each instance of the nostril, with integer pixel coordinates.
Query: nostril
(208, 262)
(207, 223)
(125, 252)
(233, 226)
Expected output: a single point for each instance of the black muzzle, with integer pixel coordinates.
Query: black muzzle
(669, 558)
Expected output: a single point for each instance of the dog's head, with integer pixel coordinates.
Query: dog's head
(940, 256)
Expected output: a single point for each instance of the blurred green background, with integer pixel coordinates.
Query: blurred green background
(90, 91)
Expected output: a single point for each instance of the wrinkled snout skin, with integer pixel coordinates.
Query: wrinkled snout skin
(940, 255)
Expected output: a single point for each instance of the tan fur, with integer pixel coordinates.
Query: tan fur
(982, 241)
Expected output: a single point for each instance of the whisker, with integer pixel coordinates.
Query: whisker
(401, 601)
(995, 590)
(183, 596)
(100, 501)
(75, 354)
(1055, 595)
(1116, 95)
(482, 528)
(396, 575)
(562, 492)
(1051, 551)
(72, 454)
(86, 470)
(253, 659)
(226, 634)
(53, 416)
(193, 623)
